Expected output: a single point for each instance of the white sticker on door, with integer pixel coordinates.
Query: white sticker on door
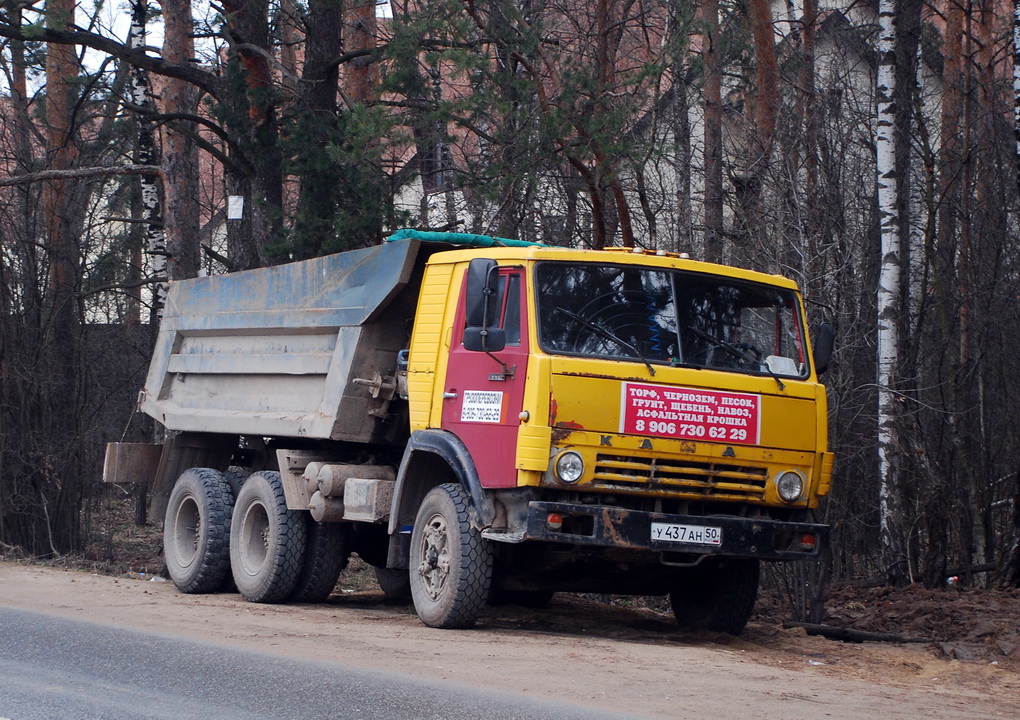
(484, 406)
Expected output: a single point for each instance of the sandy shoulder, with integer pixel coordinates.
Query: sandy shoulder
(612, 658)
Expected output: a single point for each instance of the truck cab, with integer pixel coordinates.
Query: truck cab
(634, 418)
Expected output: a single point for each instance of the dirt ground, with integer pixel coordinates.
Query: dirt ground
(629, 659)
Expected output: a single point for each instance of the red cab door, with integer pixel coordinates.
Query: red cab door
(484, 395)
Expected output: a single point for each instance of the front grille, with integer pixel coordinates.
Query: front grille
(680, 478)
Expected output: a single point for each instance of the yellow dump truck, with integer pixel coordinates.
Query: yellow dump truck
(485, 421)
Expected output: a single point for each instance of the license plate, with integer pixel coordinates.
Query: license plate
(693, 534)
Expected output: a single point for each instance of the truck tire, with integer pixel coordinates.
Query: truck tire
(717, 595)
(394, 583)
(325, 559)
(267, 541)
(196, 531)
(450, 561)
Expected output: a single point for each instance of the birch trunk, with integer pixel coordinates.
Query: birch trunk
(888, 296)
(147, 153)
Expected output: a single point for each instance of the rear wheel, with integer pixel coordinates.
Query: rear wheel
(451, 563)
(267, 541)
(196, 531)
(325, 558)
(718, 595)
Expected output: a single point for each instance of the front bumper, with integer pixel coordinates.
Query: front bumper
(615, 527)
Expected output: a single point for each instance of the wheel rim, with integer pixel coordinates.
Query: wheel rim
(186, 531)
(254, 538)
(435, 556)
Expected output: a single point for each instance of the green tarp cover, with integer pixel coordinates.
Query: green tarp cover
(458, 239)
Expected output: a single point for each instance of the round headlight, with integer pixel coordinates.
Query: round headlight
(569, 467)
(790, 486)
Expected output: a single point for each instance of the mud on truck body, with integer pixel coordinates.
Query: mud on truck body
(487, 421)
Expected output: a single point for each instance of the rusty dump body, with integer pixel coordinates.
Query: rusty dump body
(275, 351)
(566, 419)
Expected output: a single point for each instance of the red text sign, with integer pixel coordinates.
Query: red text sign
(690, 414)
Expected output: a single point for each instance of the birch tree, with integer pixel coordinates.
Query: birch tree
(147, 153)
(888, 295)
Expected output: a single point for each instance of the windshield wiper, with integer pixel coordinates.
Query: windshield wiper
(611, 337)
(737, 352)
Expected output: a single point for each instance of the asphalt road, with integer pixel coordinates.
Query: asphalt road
(57, 669)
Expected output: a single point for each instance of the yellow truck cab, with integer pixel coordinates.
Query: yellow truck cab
(490, 421)
(633, 418)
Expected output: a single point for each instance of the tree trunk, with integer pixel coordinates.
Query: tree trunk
(609, 20)
(712, 63)
(809, 103)
(681, 123)
(180, 162)
(888, 339)
(146, 153)
(288, 36)
(766, 95)
(805, 260)
(1012, 575)
(360, 35)
(60, 481)
(760, 123)
(908, 37)
(254, 241)
(1016, 87)
(318, 126)
(16, 527)
(982, 264)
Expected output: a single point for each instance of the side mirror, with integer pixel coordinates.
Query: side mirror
(482, 285)
(482, 305)
(825, 338)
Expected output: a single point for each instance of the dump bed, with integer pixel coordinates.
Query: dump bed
(275, 351)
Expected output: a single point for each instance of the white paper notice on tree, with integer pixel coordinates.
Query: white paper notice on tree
(235, 207)
(484, 406)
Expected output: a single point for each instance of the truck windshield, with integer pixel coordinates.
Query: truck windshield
(670, 318)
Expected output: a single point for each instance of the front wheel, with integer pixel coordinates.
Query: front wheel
(718, 595)
(267, 541)
(451, 563)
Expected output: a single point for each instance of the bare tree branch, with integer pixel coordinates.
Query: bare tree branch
(183, 71)
(123, 286)
(76, 173)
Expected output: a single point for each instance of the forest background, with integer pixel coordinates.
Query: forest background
(871, 151)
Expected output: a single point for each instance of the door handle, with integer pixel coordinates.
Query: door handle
(449, 395)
